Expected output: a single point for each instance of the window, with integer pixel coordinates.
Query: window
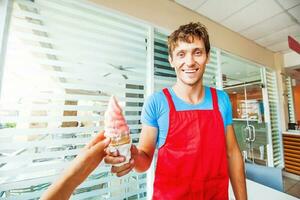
(64, 60)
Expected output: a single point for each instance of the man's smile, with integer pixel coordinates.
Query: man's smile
(190, 70)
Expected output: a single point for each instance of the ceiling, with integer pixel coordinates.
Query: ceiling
(266, 22)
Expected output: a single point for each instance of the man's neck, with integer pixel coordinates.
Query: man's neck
(190, 94)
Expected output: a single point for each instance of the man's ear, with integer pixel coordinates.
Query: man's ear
(170, 61)
(208, 58)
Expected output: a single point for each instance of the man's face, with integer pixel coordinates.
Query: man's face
(189, 60)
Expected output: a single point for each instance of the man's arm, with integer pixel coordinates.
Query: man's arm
(141, 157)
(236, 165)
(146, 148)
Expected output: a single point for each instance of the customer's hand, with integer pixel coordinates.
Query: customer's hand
(85, 162)
(116, 158)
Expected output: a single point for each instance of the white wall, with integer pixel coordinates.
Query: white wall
(291, 59)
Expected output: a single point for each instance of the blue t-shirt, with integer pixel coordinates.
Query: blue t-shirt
(156, 110)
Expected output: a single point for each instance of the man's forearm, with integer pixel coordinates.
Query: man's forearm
(237, 175)
(142, 161)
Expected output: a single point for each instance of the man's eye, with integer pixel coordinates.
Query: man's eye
(198, 53)
(181, 54)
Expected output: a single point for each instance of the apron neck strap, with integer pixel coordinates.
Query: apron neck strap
(214, 98)
(213, 94)
(169, 98)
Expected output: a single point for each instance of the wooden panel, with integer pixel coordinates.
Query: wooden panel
(291, 144)
(291, 166)
(292, 171)
(292, 163)
(233, 99)
(296, 94)
(291, 139)
(291, 155)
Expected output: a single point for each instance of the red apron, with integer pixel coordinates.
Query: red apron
(192, 164)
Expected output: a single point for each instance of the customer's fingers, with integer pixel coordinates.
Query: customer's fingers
(100, 146)
(99, 137)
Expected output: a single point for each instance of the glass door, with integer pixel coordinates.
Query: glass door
(244, 85)
(249, 121)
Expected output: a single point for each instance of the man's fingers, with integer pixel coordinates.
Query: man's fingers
(118, 169)
(122, 173)
(126, 170)
(114, 160)
(114, 154)
(133, 149)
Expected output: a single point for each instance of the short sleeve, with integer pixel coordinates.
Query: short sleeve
(228, 110)
(149, 112)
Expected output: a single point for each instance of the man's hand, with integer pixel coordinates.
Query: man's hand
(116, 158)
(141, 157)
(236, 165)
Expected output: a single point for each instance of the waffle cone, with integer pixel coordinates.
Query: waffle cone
(125, 139)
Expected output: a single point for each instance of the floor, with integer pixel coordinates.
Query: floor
(291, 186)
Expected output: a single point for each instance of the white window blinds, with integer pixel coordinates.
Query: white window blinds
(290, 98)
(164, 74)
(63, 61)
(273, 101)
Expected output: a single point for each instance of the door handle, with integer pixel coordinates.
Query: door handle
(253, 134)
(247, 130)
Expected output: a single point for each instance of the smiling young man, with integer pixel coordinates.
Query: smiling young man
(191, 125)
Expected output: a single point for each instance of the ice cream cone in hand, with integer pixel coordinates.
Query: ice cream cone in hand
(117, 130)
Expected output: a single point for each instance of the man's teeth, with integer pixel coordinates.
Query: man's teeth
(190, 70)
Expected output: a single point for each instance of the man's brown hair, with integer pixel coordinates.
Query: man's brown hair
(187, 33)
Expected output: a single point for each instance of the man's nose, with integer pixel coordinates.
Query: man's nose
(190, 61)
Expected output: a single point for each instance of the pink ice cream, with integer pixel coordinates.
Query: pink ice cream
(115, 124)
